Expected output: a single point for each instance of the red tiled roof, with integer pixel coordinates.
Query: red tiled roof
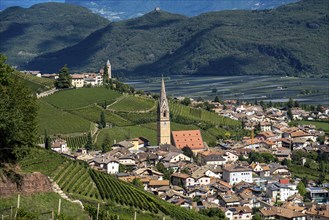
(284, 181)
(190, 138)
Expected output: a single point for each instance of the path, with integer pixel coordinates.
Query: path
(47, 93)
(59, 191)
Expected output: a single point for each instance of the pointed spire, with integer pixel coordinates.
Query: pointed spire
(108, 63)
(163, 90)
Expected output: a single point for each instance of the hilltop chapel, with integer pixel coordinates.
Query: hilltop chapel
(163, 120)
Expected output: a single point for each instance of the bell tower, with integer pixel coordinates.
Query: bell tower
(109, 69)
(163, 121)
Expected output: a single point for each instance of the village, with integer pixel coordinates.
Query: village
(244, 178)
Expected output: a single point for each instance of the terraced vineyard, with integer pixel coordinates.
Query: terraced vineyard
(74, 178)
(37, 84)
(201, 114)
(56, 121)
(78, 180)
(133, 103)
(78, 98)
(73, 142)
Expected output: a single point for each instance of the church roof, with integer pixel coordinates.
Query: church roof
(190, 138)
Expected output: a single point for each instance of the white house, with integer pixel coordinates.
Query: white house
(77, 80)
(205, 180)
(281, 192)
(59, 145)
(231, 157)
(113, 167)
(174, 157)
(236, 174)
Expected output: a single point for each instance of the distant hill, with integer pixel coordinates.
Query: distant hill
(116, 10)
(289, 40)
(42, 28)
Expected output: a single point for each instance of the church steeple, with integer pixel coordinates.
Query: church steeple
(163, 122)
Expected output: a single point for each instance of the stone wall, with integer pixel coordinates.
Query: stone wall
(24, 184)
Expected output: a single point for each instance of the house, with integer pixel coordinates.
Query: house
(281, 192)
(282, 153)
(228, 199)
(59, 145)
(188, 138)
(123, 144)
(138, 143)
(318, 212)
(110, 164)
(260, 169)
(77, 80)
(281, 213)
(212, 158)
(318, 195)
(182, 179)
(235, 174)
(174, 157)
(265, 126)
(278, 169)
(149, 173)
(155, 184)
(239, 212)
(231, 157)
(127, 160)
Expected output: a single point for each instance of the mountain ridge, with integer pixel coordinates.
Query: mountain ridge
(289, 40)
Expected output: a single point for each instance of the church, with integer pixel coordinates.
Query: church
(180, 139)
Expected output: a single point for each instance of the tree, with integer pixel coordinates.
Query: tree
(18, 112)
(213, 212)
(89, 144)
(105, 75)
(188, 152)
(106, 146)
(102, 120)
(301, 188)
(290, 103)
(186, 101)
(64, 79)
(47, 141)
(289, 114)
(257, 217)
(137, 182)
(217, 99)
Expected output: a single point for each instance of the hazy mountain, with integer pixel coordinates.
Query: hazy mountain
(123, 9)
(292, 40)
(119, 10)
(28, 32)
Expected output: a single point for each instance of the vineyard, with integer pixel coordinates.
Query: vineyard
(201, 115)
(78, 98)
(37, 84)
(133, 103)
(74, 178)
(78, 180)
(56, 121)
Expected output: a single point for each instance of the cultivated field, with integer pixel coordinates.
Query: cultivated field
(77, 98)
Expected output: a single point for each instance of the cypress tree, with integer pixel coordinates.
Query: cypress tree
(47, 141)
(89, 144)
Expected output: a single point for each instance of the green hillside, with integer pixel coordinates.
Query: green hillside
(289, 40)
(29, 32)
(79, 181)
(37, 84)
(73, 113)
(40, 206)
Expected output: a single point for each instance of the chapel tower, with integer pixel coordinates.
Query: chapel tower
(109, 69)
(163, 121)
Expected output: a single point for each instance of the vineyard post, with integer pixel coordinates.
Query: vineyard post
(135, 216)
(97, 211)
(59, 207)
(18, 202)
(11, 212)
(52, 214)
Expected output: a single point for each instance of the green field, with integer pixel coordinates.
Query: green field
(133, 103)
(56, 121)
(320, 125)
(78, 180)
(42, 203)
(77, 98)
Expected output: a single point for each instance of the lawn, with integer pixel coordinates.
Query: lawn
(133, 103)
(56, 121)
(77, 98)
(43, 203)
